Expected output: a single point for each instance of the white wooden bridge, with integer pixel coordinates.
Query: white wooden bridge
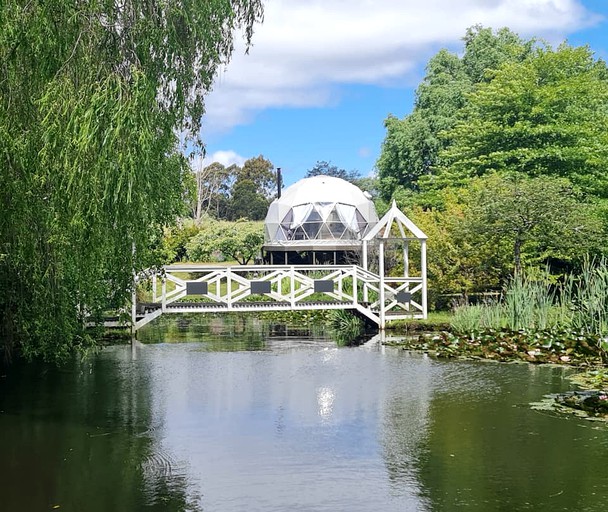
(374, 295)
(213, 289)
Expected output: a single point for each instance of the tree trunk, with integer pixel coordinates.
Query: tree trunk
(517, 256)
(199, 197)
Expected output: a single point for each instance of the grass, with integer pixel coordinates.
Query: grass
(435, 321)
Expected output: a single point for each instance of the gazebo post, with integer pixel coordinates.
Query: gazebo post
(424, 279)
(406, 268)
(365, 290)
(382, 292)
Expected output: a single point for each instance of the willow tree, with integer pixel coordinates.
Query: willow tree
(93, 97)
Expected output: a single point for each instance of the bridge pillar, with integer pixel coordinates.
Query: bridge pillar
(133, 307)
(382, 290)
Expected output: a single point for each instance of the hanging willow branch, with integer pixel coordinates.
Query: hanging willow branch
(92, 94)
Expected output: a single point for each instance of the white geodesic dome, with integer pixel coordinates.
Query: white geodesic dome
(320, 209)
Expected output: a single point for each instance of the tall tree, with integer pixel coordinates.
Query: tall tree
(246, 202)
(544, 116)
(259, 170)
(92, 95)
(328, 169)
(212, 190)
(412, 146)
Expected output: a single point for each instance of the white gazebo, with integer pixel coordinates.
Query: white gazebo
(405, 295)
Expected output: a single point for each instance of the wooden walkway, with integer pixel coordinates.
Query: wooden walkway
(217, 289)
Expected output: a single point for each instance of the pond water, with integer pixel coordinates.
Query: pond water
(243, 416)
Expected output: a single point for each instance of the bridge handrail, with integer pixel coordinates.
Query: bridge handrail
(293, 286)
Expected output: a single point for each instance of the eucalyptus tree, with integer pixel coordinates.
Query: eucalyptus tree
(94, 99)
(246, 201)
(212, 187)
(328, 169)
(260, 171)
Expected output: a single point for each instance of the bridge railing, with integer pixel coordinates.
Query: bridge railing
(232, 284)
(289, 287)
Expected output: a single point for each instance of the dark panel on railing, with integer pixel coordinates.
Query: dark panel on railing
(324, 286)
(259, 287)
(403, 297)
(196, 288)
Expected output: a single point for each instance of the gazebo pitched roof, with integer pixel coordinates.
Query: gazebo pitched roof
(392, 216)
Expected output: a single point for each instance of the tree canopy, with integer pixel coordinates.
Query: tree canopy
(233, 192)
(240, 241)
(328, 169)
(503, 159)
(92, 96)
(545, 115)
(412, 146)
(540, 219)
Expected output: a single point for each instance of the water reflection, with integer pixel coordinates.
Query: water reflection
(250, 418)
(488, 451)
(82, 438)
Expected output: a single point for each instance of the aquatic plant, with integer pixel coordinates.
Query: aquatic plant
(579, 303)
(587, 295)
(345, 327)
(527, 302)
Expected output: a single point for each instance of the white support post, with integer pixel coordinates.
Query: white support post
(365, 290)
(292, 285)
(340, 279)
(382, 292)
(154, 290)
(355, 286)
(229, 287)
(423, 271)
(164, 295)
(406, 268)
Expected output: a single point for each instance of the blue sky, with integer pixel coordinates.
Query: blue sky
(322, 75)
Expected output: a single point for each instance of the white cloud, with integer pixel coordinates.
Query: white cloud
(305, 50)
(226, 158)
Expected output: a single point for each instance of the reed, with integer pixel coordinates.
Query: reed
(527, 303)
(587, 296)
(467, 318)
(579, 303)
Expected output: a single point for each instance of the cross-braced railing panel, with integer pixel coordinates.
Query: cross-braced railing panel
(287, 286)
